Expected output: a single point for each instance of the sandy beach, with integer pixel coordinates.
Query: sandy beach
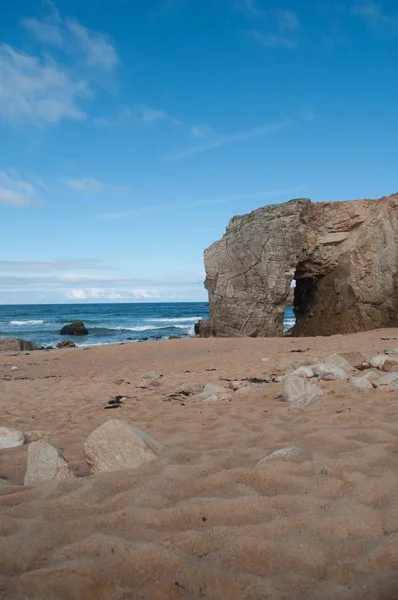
(205, 520)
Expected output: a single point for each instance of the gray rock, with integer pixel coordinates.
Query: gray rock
(299, 392)
(45, 464)
(11, 438)
(246, 389)
(388, 379)
(346, 360)
(151, 375)
(288, 453)
(378, 361)
(235, 385)
(328, 372)
(117, 445)
(304, 372)
(342, 284)
(16, 345)
(361, 384)
(390, 364)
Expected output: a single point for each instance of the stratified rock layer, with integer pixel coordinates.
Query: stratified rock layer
(342, 255)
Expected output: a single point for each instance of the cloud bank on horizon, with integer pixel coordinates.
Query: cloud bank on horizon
(131, 134)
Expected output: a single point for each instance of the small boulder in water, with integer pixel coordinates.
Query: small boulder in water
(76, 328)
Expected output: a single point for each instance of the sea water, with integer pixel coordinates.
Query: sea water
(107, 323)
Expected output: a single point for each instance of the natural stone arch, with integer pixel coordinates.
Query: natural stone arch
(343, 256)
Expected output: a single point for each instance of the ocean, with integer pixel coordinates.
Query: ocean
(107, 323)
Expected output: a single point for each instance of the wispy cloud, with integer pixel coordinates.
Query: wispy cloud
(50, 266)
(91, 186)
(16, 191)
(216, 140)
(279, 27)
(274, 39)
(375, 14)
(94, 48)
(41, 89)
(188, 204)
(37, 90)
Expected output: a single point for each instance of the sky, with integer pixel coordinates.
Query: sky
(131, 131)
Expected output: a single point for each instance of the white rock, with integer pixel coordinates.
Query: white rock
(391, 364)
(288, 453)
(151, 375)
(117, 445)
(388, 379)
(378, 361)
(149, 384)
(246, 389)
(235, 385)
(346, 360)
(45, 463)
(265, 360)
(11, 438)
(360, 383)
(300, 392)
(304, 372)
(212, 388)
(328, 372)
(395, 351)
(14, 368)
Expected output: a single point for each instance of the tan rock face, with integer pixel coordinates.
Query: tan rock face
(45, 463)
(343, 256)
(117, 445)
(16, 345)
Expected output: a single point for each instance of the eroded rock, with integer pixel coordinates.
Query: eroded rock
(117, 445)
(342, 255)
(45, 464)
(346, 360)
(361, 384)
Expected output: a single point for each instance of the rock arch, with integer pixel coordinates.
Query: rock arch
(343, 256)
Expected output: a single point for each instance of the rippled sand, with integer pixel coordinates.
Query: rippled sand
(203, 521)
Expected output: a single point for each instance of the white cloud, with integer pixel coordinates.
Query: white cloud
(223, 140)
(92, 294)
(94, 48)
(374, 14)
(40, 89)
(274, 40)
(15, 191)
(37, 90)
(97, 47)
(279, 26)
(91, 186)
(50, 266)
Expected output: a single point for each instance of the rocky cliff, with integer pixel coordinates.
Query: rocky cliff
(343, 256)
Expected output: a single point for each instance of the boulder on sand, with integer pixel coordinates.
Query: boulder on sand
(16, 345)
(117, 445)
(300, 392)
(10, 438)
(45, 463)
(76, 328)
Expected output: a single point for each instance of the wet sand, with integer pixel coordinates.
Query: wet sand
(202, 521)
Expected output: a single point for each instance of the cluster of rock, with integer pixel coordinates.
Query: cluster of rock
(342, 255)
(113, 446)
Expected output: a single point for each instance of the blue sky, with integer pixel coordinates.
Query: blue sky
(131, 131)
